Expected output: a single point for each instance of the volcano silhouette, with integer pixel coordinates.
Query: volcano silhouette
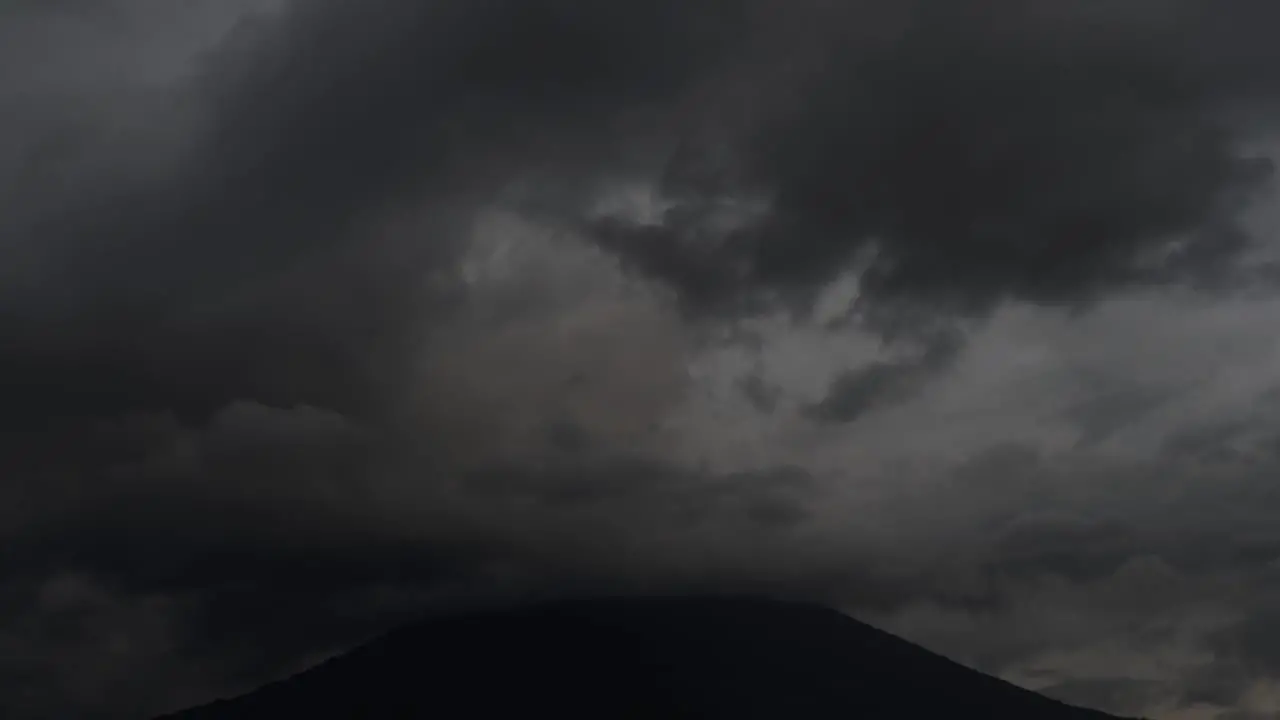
(726, 658)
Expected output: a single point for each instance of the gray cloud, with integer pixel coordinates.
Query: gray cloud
(297, 140)
(884, 383)
(1105, 413)
(304, 130)
(1121, 694)
(222, 555)
(981, 150)
(763, 397)
(863, 389)
(312, 321)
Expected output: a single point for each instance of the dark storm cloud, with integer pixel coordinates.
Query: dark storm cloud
(772, 499)
(163, 563)
(251, 250)
(982, 150)
(1253, 642)
(1219, 684)
(1102, 416)
(209, 292)
(1213, 443)
(866, 388)
(241, 495)
(883, 383)
(985, 149)
(351, 106)
(1077, 550)
(762, 396)
(221, 555)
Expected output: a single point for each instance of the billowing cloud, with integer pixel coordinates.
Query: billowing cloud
(956, 315)
(975, 151)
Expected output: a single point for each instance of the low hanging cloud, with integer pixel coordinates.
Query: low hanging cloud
(320, 314)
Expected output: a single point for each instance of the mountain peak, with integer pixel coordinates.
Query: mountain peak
(642, 657)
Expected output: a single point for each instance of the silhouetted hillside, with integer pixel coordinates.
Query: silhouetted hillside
(705, 657)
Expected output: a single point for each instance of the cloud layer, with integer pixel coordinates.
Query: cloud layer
(954, 314)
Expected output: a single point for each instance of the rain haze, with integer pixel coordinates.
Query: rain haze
(958, 316)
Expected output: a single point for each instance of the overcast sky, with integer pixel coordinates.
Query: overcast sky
(959, 316)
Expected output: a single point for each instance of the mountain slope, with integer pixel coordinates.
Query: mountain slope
(701, 657)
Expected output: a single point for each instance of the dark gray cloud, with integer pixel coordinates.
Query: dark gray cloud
(1125, 695)
(1252, 643)
(882, 383)
(761, 396)
(255, 407)
(982, 150)
(1220, 685)
(254, 253)
(221, 555)
(865, 388)
(166, 563)
(1105, 413)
